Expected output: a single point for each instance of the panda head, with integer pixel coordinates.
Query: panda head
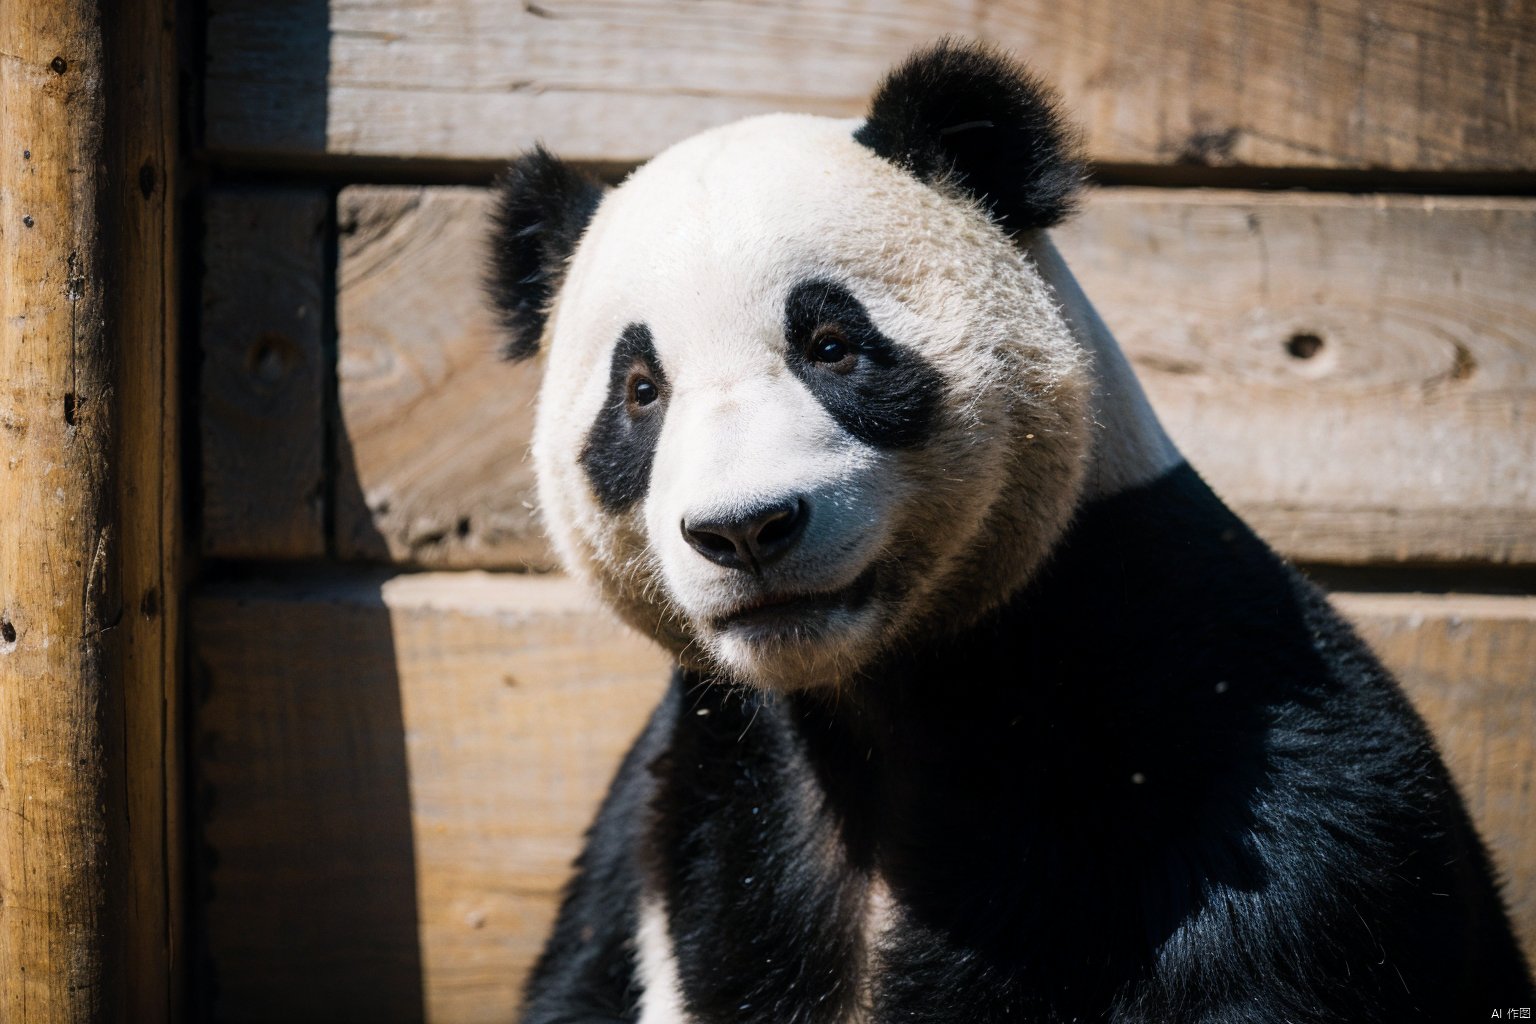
(807, 400)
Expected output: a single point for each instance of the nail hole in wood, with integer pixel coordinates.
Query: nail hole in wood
(1304, 345)
(59, 66)
(271, 357)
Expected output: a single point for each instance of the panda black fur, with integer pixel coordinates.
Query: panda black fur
(1065, 741)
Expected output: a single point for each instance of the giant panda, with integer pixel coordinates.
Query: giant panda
(985, 707)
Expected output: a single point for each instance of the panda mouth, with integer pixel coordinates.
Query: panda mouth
(775, 612)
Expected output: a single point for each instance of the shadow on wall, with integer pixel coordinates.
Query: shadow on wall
(307, 866)
(304, 863)
(282, 95)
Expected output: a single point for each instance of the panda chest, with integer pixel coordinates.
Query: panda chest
(756, 909)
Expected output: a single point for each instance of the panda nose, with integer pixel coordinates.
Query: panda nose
(751, 538)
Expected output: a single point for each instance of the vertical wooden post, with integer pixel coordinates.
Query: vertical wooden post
(143, 135)
(57, 425)
(88, 594)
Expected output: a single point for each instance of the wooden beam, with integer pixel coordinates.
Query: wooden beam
(143, 115)
(397, 770)
(1362, 84)
(430, 451)
(1356, 375)
(1353, 374)
(88, 591)
(59, 426)
(264, 373)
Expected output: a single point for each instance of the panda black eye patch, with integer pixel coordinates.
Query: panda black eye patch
(621, 445)
(882, 393)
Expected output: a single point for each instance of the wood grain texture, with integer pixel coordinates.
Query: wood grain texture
(1372, 84)
(58, 424)
(88, 569)
(143, 123)
(431, 455)
(1438, 85)
(1357, 376)
(263, 373)
(396, 771)
(1409, 435)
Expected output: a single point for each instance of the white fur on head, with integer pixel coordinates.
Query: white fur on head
(702, 245)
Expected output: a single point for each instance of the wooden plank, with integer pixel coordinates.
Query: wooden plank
(1408, 436)
(89, 845)
(1436, 85)
(59, 428)
(144, 106)
(431, 459)
(1369, 84)
(263, 373)
(397, 770)
(1469, 664)
(1356, 375)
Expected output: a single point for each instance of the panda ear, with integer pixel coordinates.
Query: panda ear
(542, 207)
(967, 115)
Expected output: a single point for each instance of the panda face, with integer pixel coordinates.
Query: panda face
(801, 406)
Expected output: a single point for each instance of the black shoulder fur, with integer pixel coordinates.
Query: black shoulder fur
(966, 114)
(542, 207)
(1165, 783)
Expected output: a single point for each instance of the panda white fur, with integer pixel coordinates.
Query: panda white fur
(986, 709)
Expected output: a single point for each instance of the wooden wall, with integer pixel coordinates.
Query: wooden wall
(402, 719)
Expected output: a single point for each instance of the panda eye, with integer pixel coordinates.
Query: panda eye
(642, 390)
(832, 348)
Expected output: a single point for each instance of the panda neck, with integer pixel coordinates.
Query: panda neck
(1130, 446)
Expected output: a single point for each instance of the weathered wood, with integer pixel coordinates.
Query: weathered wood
(58, 423)
(1469, 663)
(143, 110)
(263, 373)
(431, 464)
(1370, 84)
(1409, 435)
(1356, 375)
(396, 771)
(88, 586)
(1437, 85)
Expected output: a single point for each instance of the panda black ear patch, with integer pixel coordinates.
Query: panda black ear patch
(542, 207)
(967, 114)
